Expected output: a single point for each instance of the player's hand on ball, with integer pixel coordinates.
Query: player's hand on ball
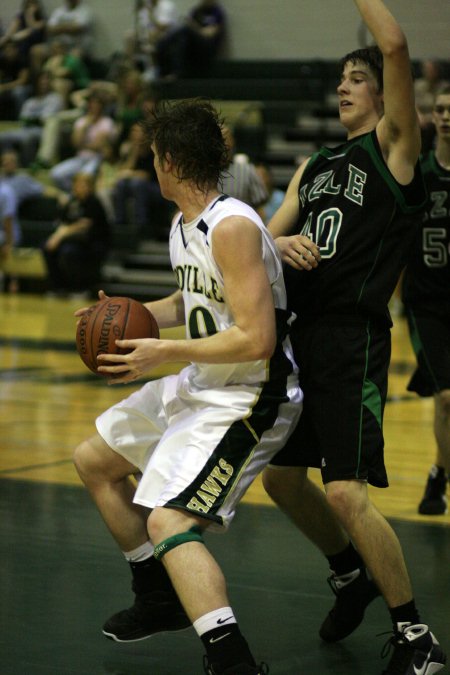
(115, 327)
(101, 296)
(146, 354)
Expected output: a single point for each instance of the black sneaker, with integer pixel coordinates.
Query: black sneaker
(151, 613)
(416, 652)
(239, 669)
(354, 591)
(434, 501)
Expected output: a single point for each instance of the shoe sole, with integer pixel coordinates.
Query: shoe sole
(114, 638)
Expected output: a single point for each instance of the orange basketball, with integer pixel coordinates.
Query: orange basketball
(110, 320)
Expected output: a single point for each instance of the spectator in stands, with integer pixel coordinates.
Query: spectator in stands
(10, 233)
(275, 195)
(33, 115)
(78, 246)
(22, 184)
(14, 81)
(67, 70)
(70, 23)
(193, 47)
(128, 106)
(9, 225)
(155, 20)
(27, 28)
(241, 179)
(136, 188)
(93, 136)
(58, 126)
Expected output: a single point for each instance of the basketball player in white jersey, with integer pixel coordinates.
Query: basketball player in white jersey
(198, 438)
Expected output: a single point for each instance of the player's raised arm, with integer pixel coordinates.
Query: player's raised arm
(398, 130)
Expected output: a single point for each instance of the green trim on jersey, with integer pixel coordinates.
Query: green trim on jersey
(366, 142)
(370, 399)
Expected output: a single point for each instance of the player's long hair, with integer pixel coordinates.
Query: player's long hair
(372, 57)
(190, 132)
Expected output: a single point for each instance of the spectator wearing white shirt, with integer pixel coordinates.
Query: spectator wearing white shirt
(155, 20)
(33, 114)
(71, 23)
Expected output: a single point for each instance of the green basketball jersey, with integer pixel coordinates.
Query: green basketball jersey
(427, 276)
(362, 219)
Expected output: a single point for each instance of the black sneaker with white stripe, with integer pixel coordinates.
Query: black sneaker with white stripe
(154, 612)
(354, 592)
(434, 500)
(416, 652)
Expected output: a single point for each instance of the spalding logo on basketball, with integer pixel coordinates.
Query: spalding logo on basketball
(110, 320)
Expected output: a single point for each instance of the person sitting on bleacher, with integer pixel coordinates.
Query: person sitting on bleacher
(67, 70)
(76, 249)
(24, 186)
(27, 28)
(33, 114)
(10, 233)
(93, 136)
(70, 23)
(191, 49)
(14, 81)
(154, 21)
(241, 180)
(136, 194)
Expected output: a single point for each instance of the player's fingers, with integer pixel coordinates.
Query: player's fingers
(104, 359)
(292, 262)
(81, 311)
(128, 344)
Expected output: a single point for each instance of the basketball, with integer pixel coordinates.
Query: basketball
(110, 320)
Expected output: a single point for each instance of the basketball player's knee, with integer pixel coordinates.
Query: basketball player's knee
(169, 528)
(83, 461)
(346, 500)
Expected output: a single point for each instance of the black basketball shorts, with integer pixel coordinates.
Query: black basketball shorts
(429, 331)
(343, 373)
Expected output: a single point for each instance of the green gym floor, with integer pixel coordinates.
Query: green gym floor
(62, 577)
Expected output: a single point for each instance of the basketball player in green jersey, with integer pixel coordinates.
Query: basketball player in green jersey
(426, 296)
(356, 203)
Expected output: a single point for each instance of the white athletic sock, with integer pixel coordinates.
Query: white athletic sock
(219, 617)
(140, 553)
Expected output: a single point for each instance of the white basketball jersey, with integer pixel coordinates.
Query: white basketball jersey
(201, 283)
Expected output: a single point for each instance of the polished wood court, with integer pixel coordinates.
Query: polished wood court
(62, 576)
